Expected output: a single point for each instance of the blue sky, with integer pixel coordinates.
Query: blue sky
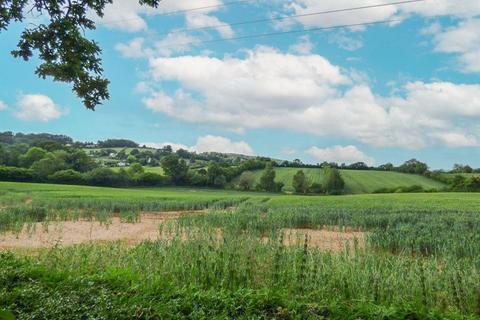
(381, 93)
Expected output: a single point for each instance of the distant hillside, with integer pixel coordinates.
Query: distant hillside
(357, 181)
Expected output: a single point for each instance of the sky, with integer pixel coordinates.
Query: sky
(405, 84)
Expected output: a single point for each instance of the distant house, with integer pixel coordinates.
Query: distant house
(112, 155)
(122, 164)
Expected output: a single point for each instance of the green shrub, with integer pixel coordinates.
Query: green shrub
(67, 177)
(16, 174)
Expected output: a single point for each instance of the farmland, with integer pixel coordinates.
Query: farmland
(242, 255)
(358, 181)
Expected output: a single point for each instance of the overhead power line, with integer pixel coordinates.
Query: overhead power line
(303, 15)
(262, 35)
(170, 13)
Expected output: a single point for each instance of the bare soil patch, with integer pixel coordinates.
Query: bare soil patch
(325, 240)
(66, 233)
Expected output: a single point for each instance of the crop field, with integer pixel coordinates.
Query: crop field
(234, 255)
(358, 181)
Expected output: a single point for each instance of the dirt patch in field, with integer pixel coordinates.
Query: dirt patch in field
(66, 233)
(324, 239)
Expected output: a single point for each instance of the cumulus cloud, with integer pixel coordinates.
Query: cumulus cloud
(209, 143)
(464, 40)
(132, 49)
(469, 8)
(129, 15)
(172, 43)
(306, 93)
(202, 20)
(340, 154)
(456, 139)
(37, 107)
(3, 105)
(345, 41)
(222, 144)
(288, 151)
(160, 145)
(303, 46)
(447, 42)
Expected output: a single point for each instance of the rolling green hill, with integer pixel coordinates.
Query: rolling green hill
(357, 181)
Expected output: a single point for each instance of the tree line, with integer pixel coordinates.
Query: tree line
(58, 159)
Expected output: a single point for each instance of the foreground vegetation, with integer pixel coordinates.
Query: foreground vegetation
(420, 259)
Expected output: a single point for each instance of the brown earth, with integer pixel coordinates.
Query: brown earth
(325, 240)
(75, 232)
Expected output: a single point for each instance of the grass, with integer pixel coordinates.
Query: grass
(420, 261)
(358, 181)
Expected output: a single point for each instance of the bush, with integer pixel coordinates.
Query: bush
(105, 177)
(246, 180)
(404, 189)
(16, 174)
(151, 179)
(67, 177)
(316, 188)
(334, 183)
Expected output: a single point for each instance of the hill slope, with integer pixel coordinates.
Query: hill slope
(357, 181)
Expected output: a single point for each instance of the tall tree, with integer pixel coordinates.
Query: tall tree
(175, 168)
(267, 180)
(300, 182)
(65, 54)
(334, 183)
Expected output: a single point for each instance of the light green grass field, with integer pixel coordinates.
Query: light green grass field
(157, 170)
(357, 181)
(451, 200)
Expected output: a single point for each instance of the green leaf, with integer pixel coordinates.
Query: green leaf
(6, 315)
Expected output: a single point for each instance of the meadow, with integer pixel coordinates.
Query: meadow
(245, 256)
(357, 181)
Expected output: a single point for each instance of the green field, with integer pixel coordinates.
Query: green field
(157, 170)
(418, 257)
(358, 181)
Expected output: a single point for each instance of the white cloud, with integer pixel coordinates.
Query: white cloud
(37, 107)
(174, 42)
(468, 8)
(303, 46)
(344, 41)
(132, 49)
(456, 139)
(209, 143)
(124, 15)
(306, 93)
(160, 145)
(464, 40)
(129, 15)
(202, 20)
(288, 151)
(221, 144)
(340, 154)
(3, 105)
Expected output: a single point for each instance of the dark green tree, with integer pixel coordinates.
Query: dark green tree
(413, 166)
(267, 180)
(334, 183)
(65, 54)
(300, 182)
(246, 180)
(175, 169)
(33, 154)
